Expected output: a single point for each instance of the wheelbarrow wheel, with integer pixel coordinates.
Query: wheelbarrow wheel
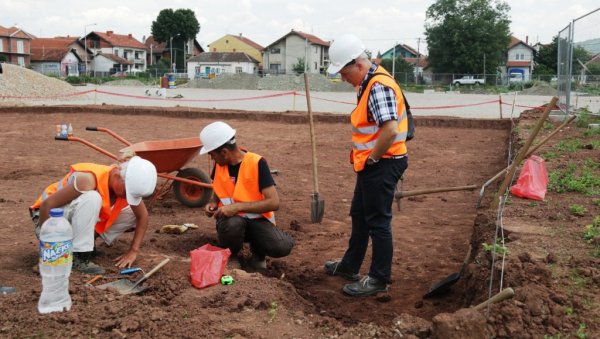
(192, 195)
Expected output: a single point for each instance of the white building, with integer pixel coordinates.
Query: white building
(281, 56)
(215, 63)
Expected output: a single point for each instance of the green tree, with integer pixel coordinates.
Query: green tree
(298, 67)
(180, 25)
(546, 60)
(401, 68)
(461, 34)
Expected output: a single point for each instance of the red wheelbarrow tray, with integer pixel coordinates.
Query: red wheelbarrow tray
(167, 155)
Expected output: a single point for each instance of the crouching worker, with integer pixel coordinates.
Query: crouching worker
(103, 201)
(244, 199)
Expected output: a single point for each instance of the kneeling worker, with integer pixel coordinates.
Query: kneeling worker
(103, 201)
(244, 198)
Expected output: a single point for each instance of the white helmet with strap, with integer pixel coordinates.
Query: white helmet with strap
(343, 50)
(215, 135)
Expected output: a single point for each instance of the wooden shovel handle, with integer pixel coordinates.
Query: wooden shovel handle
(403, 194)
(506, 293)
(156, 268)
(313, 143)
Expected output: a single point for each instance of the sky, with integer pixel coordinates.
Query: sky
(380, 24)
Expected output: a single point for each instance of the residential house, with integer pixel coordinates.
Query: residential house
(519, 58)
(410, 55)
(15, 46)
(117, 52)
(237, 43)
(400, 50)
(56, 56)
(281, 56)
(158, 50)
(209, 64)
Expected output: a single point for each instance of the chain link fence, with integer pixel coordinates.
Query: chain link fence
(578, 60)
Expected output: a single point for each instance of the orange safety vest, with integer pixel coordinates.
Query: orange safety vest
(108, 213)
(244, 190)
(365, 133)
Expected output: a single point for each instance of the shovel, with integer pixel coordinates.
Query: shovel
(443, 285)
(126, 286)
(317, 206)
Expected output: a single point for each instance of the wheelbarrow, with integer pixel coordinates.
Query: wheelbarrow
(192, 187)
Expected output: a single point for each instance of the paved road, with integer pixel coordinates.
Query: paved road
(427, 104)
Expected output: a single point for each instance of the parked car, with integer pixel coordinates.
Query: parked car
(120, 74)
(468, 80)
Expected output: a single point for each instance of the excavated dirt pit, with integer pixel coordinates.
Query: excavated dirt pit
(295, 298)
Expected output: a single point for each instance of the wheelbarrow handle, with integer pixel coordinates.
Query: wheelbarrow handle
(91, 128)
(60, 137)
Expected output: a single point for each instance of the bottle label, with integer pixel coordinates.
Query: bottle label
(56, 253)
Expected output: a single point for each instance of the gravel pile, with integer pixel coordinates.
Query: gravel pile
(317, 82)
(22, 82)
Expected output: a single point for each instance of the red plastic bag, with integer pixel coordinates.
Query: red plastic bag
(533, 180)
(207, 265)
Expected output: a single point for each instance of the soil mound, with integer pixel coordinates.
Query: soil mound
(17, 81)
(541, 88)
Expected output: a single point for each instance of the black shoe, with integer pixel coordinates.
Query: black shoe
(334, 268)
(367, 286)
(82, 263)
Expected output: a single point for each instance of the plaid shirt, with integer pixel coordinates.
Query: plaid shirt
(382, 105)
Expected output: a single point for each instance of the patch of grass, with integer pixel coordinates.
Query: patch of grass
(581, 331)
(591, 132)
(596, 202)
(569, 145)
(498, 248)
(577, 210)
(592, 230)
(550, 155)
(577, 279)
(587, 182)
(548, 125)
(273, 311)
(569, 311)
(532, 204)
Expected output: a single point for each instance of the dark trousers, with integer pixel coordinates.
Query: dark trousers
(265, 238)
(371, 212)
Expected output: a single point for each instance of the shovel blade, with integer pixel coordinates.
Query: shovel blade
(442, 286)
(317, 208)
(123, 286)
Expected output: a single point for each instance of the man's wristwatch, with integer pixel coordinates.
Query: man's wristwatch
(371, 161)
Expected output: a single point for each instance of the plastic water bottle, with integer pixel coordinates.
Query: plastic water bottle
(56, 259)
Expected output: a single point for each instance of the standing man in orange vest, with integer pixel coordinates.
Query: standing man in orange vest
(244, 199)
(379, 155)
(103, 201)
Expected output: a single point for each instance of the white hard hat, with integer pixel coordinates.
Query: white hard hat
(343, 50)
(215, 135)
(140, 179)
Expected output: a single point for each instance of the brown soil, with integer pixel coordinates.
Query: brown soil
(295, 298)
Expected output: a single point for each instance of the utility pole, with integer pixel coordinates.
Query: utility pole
(417, 65)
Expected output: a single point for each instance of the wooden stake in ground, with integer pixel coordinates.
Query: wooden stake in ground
(523, 152)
